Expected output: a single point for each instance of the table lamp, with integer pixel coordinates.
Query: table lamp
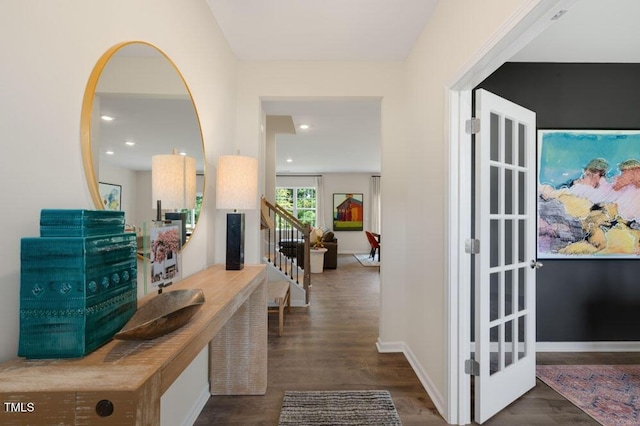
(173, 182)
(236, 188)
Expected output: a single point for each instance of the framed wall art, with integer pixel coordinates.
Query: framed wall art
(111, 195)
(348, 212)
(588, 193)
(162, 259)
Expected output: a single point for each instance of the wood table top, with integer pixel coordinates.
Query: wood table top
(127, 365)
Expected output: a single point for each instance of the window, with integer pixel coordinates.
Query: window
(300, 202)
(193, 214)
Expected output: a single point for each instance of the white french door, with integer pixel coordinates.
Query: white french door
(505, 265)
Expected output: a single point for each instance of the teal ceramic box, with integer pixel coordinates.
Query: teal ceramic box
(80, 223)
(75, 293)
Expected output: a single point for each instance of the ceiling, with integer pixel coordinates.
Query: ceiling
(326, 30)
(345, 133)
(343, 136)
(384, 30)
(590, 31)
(156, 125)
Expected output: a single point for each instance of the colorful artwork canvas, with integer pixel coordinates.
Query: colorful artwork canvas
(588, 193)
(111, 196)
(348, 212)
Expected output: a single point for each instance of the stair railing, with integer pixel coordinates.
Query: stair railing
(282, 241)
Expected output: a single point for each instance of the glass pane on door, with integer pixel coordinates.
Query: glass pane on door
(522, 348)
(495, 339)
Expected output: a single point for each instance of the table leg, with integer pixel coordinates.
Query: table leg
(238, 353)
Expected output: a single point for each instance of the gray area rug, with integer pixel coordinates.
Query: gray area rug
(365, 260)
(338, 408)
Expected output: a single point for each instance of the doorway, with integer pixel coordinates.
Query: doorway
(334, 145)
(522, 31)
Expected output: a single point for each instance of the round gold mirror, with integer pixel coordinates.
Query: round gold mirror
(136, 106)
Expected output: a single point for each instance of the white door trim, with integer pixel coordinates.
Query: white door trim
(459, 264)
(531, 19)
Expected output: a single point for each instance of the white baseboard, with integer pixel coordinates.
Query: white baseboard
(425, 380)
(197, 407)
(436, 397)
(587, 346)
(389, 347)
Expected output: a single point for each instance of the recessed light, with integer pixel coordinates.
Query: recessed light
(304, 126)
(289, 160)
(109, 152)
(183, 153)
(106, 118)
(130, 143)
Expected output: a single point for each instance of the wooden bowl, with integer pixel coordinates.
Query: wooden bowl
(162, 314)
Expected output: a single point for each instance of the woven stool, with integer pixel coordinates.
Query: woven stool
(278, 293)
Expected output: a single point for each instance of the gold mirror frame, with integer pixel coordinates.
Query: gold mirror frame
(87, 114)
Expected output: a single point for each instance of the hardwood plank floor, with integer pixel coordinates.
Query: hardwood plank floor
(331, 346)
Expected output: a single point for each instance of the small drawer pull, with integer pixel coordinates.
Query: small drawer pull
(104, 408)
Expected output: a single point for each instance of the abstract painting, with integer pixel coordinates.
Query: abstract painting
(588, 193)
(111, 196)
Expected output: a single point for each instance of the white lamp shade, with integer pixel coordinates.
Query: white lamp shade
(173, 181)
(237, 183)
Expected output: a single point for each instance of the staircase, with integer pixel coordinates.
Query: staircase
(283, 229)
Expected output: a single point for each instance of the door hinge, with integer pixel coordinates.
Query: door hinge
(472, 367)
(472, 126)
(472, 246)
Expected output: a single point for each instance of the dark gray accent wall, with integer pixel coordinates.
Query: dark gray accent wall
(580, 300)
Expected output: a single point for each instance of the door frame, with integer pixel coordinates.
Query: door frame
(531, 19)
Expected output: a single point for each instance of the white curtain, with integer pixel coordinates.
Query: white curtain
(320, 202)
(375, 204)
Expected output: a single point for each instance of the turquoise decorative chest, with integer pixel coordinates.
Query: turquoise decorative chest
(75, 292)
(80, 223)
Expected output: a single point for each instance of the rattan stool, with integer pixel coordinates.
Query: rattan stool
(278, 293)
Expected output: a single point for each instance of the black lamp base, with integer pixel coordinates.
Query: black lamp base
(235, 241)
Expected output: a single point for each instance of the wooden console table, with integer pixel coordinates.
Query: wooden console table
(122, 382)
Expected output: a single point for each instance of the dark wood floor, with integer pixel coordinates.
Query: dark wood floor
(331, 346)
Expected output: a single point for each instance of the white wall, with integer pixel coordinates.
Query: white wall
(347, 183)
(386, 80)
(457, 29)
(126, 179)
(49, 49)
(145, 207)
(414, 220)
(350, 242)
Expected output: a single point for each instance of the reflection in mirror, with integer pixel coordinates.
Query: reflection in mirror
(137, 106)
